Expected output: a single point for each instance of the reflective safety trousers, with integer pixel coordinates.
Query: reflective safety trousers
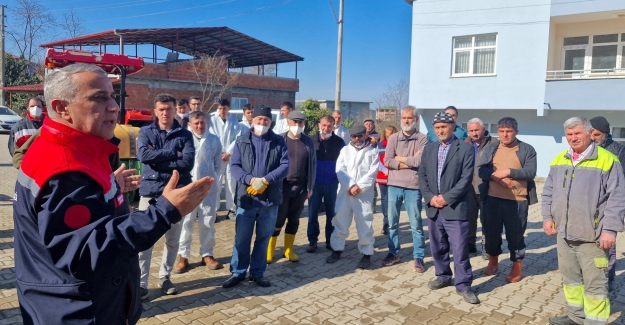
(584, 269)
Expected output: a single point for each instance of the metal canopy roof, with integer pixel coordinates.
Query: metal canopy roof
(241, 50)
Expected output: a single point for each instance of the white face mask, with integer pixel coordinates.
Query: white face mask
(296, 130)
(183, 115)
(324, 135)
(260, 129)
(35, 111)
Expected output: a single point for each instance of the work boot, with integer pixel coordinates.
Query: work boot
(288, 248)
(493, 265)
(334, 256)
(365, 262)
(312, 247)
(211, 263)
(181, 265)
(561, 320)
(516, 272)
(271, 248)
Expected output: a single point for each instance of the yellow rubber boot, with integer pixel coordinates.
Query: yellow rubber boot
(288, 248)
(271, 248)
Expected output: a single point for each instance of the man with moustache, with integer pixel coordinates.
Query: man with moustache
(445, 177)
(478, 138)
(403, 158)
(586, 228)
(507, 169)
(341, 131)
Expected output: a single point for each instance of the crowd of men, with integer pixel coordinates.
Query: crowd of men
(80, 254)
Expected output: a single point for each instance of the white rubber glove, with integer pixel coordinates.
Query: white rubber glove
(258, 183)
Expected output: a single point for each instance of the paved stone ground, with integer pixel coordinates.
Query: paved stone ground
(313, 292)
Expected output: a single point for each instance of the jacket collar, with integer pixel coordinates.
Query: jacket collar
(69, 137)
(403, 137)
(592, 153)
(606, 142)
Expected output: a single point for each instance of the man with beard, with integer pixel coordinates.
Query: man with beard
(403, 158)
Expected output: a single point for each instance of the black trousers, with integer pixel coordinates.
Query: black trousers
(498, 213)
(473, 200)
(291, 210)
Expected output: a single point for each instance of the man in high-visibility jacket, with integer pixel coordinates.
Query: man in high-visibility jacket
(587, 227)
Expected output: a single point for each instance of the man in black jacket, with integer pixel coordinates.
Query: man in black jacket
(600, 134)
(507, 169)
(164, 146)
(445, 177)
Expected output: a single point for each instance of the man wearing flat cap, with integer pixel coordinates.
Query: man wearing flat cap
(356, 169)
(445, 176)
(297, 186)
(600, 134)
(259, 163)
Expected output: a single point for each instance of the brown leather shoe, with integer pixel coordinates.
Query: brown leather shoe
(493, 265)
(211, 263)
(181, 265)
(516, 273)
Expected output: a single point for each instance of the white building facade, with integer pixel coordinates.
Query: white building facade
(539, 61)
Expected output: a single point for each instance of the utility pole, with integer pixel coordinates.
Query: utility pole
(339, 57)
(2, 76)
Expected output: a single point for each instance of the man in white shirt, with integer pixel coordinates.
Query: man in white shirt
(227, 128)
(207, 163)
(248, 113)
(339, 129)
(282, 126)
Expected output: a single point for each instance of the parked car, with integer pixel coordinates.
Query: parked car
(7, 119)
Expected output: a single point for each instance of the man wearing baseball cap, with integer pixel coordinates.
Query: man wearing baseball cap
(445, 175)
(356, 169)
(298, 185)
(259, 163)
(600, 134)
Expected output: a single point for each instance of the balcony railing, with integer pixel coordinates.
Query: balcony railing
(586, 74)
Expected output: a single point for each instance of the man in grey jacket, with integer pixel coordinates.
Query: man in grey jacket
(600, 134)
(583, 202)
(403, 157)
(445, 177)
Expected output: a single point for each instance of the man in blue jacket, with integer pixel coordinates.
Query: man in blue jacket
(164, 146)
(76, 243)
(328, 146)
(259, 163)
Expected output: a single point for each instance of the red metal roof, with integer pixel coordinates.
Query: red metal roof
(34, 88)
(240, 49)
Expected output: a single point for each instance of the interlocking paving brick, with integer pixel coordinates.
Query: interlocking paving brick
(313, 292)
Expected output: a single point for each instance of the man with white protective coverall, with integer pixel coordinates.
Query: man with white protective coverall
(207, 163)
(227, 128)
(356, 169)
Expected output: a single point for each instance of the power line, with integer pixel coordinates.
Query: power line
(495, 8)
(434, 26)
(162, 12)
(241, 13)
(110, 6)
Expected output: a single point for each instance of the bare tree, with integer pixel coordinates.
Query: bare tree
(211, 72)
(30, 25)
(72, 24)
(270, 70)
(395, 96)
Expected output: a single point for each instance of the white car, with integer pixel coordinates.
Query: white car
(8, 118)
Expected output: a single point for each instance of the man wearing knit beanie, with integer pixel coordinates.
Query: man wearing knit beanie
(600, 134)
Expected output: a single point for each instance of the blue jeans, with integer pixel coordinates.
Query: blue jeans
(384, 202)
(328, 193)
(264, 220)
(412, 201)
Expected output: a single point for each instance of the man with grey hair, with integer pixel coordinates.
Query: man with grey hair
(583, 202)
(76, 243)
(507, 169)
(403, 158)
(478, 138)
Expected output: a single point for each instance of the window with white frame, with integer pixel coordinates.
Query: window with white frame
(474, 55)
(238, 102)
(618, 134)
(594, 52)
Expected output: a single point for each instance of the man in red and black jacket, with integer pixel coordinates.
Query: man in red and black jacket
(26, 127)
(76, 244)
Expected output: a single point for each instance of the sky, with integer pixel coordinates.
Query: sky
(376, 34)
